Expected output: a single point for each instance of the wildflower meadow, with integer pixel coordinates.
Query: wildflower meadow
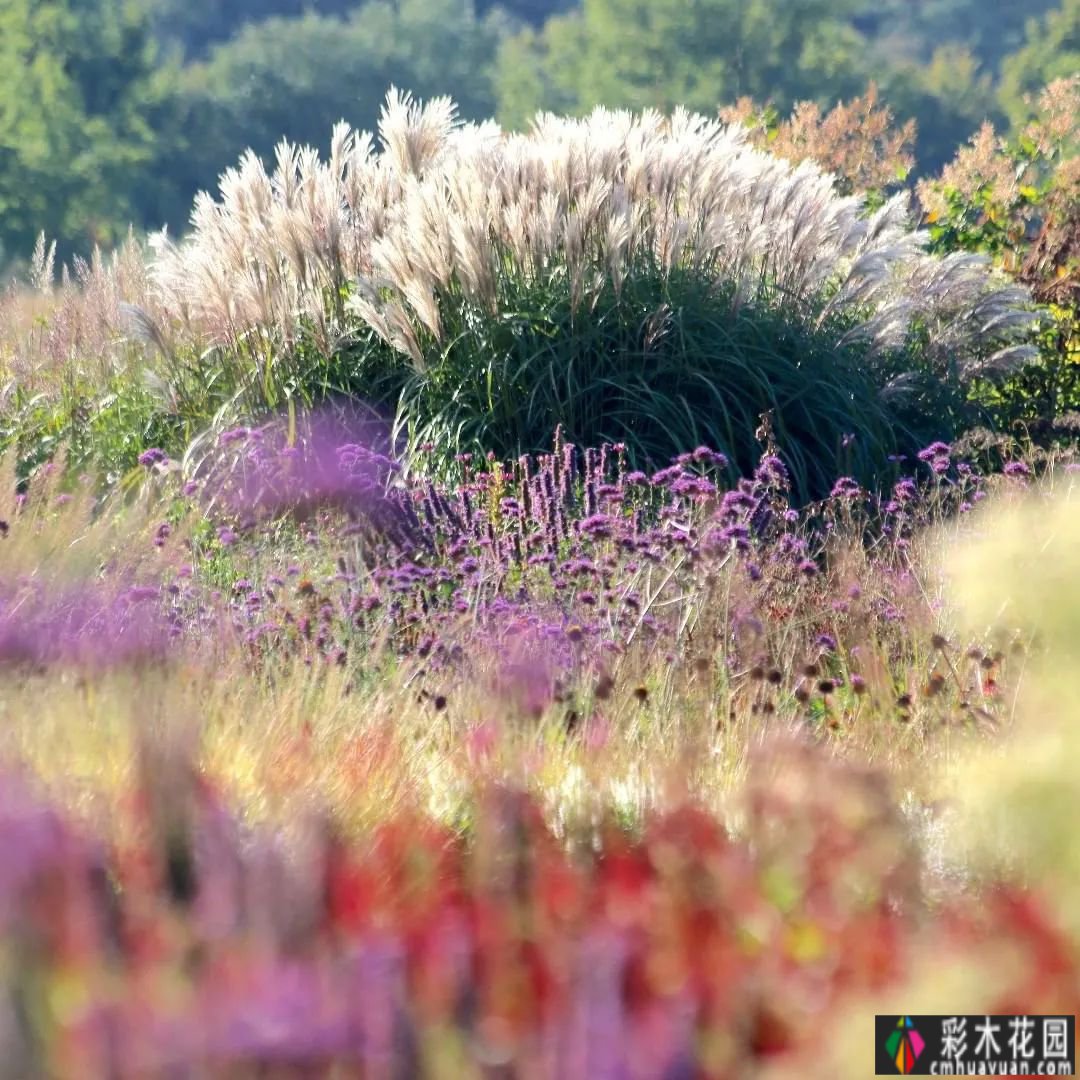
(597, 602)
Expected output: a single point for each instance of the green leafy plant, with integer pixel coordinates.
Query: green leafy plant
(656, 281)
(1017, 200)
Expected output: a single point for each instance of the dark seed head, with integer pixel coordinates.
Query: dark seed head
(641, 693)
(811, 671)
(935, 685)
(757, 673)
(939, 641)
(439, 702)
(802, 695)
(904, 701)
(180, 868)
(826, 686)
(604, 685)
(774, 676)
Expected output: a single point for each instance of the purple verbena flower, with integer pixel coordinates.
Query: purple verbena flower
(845, 488)
(705, 456)
(772, 472)
(668, 476)
(935, 450)
(905, 491)
(693, 486)
(153, 456)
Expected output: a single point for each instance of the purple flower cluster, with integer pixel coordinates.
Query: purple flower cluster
(152, 457)
(96, 625)
(585, 555)
(938, 455)
(556, 550)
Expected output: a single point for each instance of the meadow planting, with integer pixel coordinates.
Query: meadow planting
(540, 605)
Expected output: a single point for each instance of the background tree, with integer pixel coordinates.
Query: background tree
(81, 93)
(913, 30)
(1051, 51)
(533, 12)
(117, 111)
(195, 26)
(697, 53)
(295, 78)
(950, 96)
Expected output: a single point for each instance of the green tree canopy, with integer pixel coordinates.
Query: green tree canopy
(950, 95)
(698, 53)
(1051, 51)
(295, 78)
(913, 30)
(534, 12)
(195, 26)
(81, 94)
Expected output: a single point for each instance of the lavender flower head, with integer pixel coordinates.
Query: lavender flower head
(773, 473)
(845, 488)
(149, 458)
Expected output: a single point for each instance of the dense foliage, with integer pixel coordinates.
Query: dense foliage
(438, 772)
(189, 86)
(637, 279)
(349, 725)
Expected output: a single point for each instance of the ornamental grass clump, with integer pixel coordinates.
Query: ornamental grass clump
(650, 279)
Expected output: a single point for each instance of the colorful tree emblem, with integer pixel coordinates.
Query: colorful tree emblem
(905, 1045)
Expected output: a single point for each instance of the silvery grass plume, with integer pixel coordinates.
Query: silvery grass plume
(75, 321)
(446, 211)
